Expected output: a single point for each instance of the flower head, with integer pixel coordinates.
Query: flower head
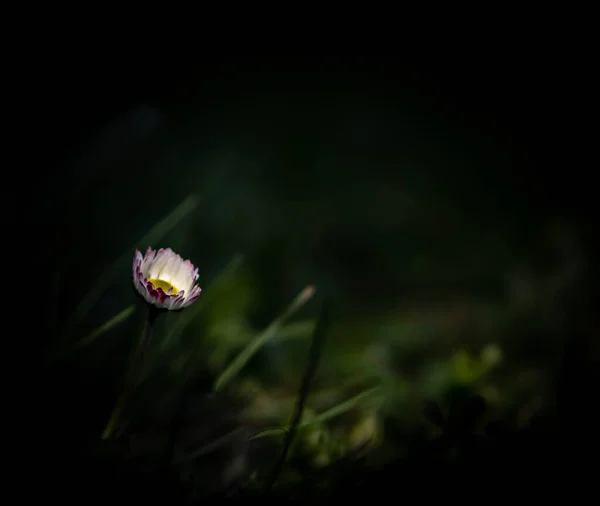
(164, 279)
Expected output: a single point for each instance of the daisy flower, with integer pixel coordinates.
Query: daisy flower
(164, 279)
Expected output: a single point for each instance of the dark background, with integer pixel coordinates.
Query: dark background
(489, 152)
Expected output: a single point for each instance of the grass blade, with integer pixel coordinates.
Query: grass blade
(98, 331)
(314, 354)
(336, 410)
(342, 408)
(105, 327)
(246, 354)
(296, 330)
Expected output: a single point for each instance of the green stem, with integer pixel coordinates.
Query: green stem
(136, 364)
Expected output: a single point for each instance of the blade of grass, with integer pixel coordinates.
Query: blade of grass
(343, 407)
(98, 331)
(296, 330)
(105, 327)
(246, 354)
(210, 447)
(155, 234)
(337, 410)
(313, 361)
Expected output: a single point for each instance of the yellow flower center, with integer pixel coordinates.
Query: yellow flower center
(165, 285)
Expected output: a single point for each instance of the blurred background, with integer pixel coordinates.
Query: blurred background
(438, 209)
